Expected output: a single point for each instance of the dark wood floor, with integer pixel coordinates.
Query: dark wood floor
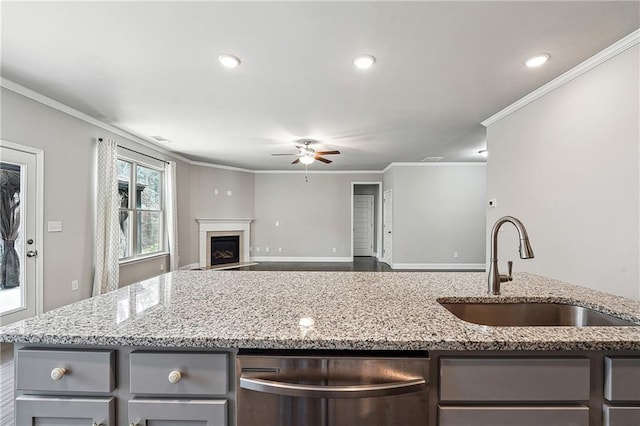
(359, 264)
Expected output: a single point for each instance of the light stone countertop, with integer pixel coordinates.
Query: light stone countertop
(350, 310)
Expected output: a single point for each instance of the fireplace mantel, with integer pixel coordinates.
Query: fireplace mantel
(242, 226)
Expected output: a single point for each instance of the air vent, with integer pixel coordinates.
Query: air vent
(431, 159)
(160, 139)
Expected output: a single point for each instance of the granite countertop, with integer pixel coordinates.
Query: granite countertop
(349, 310)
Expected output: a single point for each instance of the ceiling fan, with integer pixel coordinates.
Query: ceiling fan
(307, 155)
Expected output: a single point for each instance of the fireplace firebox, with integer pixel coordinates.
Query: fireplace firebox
(225, 250)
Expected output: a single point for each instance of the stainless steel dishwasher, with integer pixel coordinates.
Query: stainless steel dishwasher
(300, 390)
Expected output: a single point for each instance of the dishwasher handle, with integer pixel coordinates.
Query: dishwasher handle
(322, 391)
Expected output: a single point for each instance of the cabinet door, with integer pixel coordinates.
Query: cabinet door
(620, 416)
(511, 416)
(176, 412)
(46, 411)
(202, 374)
(622, 379)
(514, 379)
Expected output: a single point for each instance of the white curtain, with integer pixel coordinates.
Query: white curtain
(172, 214)
(107, 219)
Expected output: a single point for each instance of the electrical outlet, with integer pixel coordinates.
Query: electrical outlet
(229, 193)
(74, 285)
(277, 223)
(216, 192)
(279, 249)
(266, 249)
(334, 249)
(257, 248)
(455, 254)
(162, 266)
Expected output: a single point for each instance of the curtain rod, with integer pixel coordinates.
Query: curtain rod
(141, 153)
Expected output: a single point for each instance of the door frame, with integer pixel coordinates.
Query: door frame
(39, 219)
(378, 228)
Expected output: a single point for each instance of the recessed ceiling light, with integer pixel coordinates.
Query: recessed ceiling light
(537, 60)
(228, 61)
(364, 61)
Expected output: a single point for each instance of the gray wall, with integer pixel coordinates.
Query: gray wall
(568, 166)
(69, 156)
(313, 217)
(205, 204)
(438, 209)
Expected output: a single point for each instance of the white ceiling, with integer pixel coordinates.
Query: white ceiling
(150, 68)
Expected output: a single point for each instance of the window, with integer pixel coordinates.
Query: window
(141, 209)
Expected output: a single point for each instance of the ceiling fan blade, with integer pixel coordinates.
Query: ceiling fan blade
(324, 160)
(296, 161)
(273, 155)
(327, 152)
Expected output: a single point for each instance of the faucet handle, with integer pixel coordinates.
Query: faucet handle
(510, 269)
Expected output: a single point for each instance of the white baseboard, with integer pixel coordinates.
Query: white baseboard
(438, 266)
(300, 259)
(189, 266)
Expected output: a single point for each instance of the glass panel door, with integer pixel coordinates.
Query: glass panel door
(17, 226)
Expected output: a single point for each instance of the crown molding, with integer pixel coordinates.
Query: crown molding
(219, 166)
(52, 103)
(438, 164)
(597, 59)
(319, 172)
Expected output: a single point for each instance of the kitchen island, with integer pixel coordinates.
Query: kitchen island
(222, 312)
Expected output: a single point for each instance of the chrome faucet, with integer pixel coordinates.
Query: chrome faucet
(526, 252)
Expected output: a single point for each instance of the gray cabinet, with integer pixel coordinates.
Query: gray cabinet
(65, 387)
(198, 412)
(178, 374)
(523, 391)
(510, 416)
(58, 411)
(620, 416)
(514, 379)
(622, 390)
(622, 379)
(70, 371)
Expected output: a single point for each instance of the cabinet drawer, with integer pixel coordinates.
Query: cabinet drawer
(622, 379)
(620, 416)
(201, 412)
(44, 411)
(192, 373)
(510, 416)
(514, 379)
(77, 371)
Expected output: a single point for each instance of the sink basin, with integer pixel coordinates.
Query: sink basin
(532, 314)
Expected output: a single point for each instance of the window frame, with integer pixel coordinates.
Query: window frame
(133, 210)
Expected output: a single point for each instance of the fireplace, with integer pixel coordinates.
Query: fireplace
(225, 250)
(219, 228)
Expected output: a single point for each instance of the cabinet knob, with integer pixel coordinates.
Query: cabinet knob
(58, 373)
(175, 376)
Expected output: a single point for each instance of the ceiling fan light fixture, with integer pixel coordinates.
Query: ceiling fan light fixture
(537, 60)
(307, 159)
(228, 61)
(364, 62)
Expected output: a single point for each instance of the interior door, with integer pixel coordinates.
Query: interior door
(386, 226)
(363, 225)
(19, 292)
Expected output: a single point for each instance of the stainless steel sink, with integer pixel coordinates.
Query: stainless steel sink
(532, 314)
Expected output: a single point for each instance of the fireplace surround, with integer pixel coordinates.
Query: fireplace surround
(209, 228)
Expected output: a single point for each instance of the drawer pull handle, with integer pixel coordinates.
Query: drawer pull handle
(58, 373)
(97, 424)
(175, 376)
